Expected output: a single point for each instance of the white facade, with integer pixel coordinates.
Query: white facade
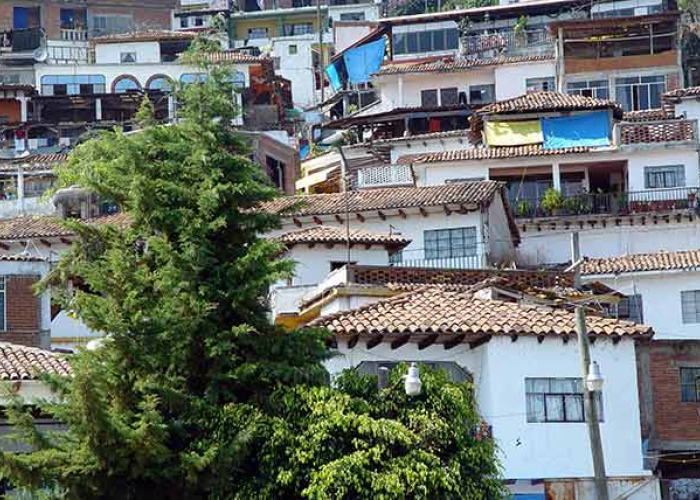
(511, 79)
(536, 450)
(313, 265)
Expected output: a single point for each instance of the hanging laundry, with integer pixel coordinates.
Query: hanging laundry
(335, 75)
(588, 129)
(364, 60)
(516, 133)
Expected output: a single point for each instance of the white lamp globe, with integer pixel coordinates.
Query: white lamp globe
(412, 384)
(594, 380)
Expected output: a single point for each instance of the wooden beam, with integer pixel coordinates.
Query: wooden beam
(427, 341)
(423, 211)
(317, 220)
(455, 341)
(398, 342)
(353, 341)
(514, 337)
(296, 221)
(381, 215)
(374, 341)
(540, 339)
(565, 338)
(4, 247)
(311, 245)
(616, 339)
(402, 213)
(331, 343)
(447, 210)
(479, 342)
(591, 340)
(66, 241)
(360, 217)
(45, 242)
(339, 219)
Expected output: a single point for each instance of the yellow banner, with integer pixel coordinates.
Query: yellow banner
(513, 133)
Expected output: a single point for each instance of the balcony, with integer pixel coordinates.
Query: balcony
(619, 204)
(24, 40)
(398, 175)
(417, 258)
(508, 43)
(657, 132)
(74, 35)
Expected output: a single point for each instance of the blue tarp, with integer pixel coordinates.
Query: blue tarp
(334, 77)
(364, 60)
(589, 129)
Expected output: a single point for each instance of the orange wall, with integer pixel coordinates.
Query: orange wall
(10, 110)
(573, 65)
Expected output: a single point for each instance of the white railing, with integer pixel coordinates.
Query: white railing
(397, 175)
(27, 206)
(74, 35)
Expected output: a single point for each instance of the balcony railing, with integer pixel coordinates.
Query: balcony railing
(633, 202)
(25, 40)
(657, 132)
(74, 35)
(508, 43)
(422, 258)
(68, 54)
(398, 175)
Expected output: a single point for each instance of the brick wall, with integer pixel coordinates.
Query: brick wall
(673, 420)
(23, 311)
(380, 275)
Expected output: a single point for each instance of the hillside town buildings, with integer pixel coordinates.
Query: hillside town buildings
(435, 167)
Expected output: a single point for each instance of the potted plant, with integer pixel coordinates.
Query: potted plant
(524, 209)
(520, 31)
(552, 201)
(573, 206)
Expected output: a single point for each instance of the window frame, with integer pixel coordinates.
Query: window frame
(551, 393)
(696, 383)
(664, 173)
(696, 305)
(432, 239)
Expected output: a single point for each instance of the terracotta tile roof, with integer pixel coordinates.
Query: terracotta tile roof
(326, 234)
(658, 132)
(467, 193)
(537, 102)
(647, 115)
(230, 56)
(455, 65)
(34, 162)
(22, 257)
(489, 154)
(25, 363)
(421, 137)
(452, 312)
(685, 93)
(20, 228)
(153, 35)
(688, 260)
(11, 87)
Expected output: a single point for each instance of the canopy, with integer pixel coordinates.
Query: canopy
(364, 60)
(587, 129)
(513, 133)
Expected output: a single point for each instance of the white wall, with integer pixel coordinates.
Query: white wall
(639, 159)
(421, 145)
(437, 174)
(554, 247)
(312, 265)
(690, 108)
(510, 78)
(110, 53)
(498, 235)
(661, 300)
(345, 35)
(546, 450)
(370, 10)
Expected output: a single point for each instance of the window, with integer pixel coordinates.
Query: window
(449, 243)
(481, 94)
(690, 385)
(110, 24)
(629, 308)
(161, 83)
(128, 57)
(593, 88)
(540, 84)
(429, 98)
(292, 50)
(72, 84)
(664, 177)
(184, 22)
(352, 16)
(256, 33)
(425, 41)
(640, 92)
(25, 18)
(3, 303)
(298, 29)
(192, 78)
(73, 19)
(449, 96)
(557, 400)
(125, 84)
(690, 305)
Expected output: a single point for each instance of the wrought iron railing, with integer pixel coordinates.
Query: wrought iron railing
(508, 43)
(438, 259)
(632, 202)
(26, 39)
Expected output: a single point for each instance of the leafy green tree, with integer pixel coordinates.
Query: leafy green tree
(194, 394)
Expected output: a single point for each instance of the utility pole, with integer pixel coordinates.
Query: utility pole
(319, 19)
(589, 403)
(344, 187)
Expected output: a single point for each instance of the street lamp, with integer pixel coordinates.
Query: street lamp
(412, 383)
(594, 380)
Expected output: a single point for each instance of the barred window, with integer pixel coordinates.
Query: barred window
(449, 243)
(690, 306)
(664, 177)
(557, 400)
(690, 385)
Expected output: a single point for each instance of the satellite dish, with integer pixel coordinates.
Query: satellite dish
(40, 54)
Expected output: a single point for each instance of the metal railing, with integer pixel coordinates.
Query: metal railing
(437, 259)
(508, 43)
(632, 202)
(26, 39)
(68, 54)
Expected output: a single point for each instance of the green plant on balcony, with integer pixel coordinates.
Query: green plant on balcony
(523, 209)
(552, 201)
(574, 205)
(520, 30)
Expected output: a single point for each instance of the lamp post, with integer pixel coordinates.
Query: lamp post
(412, 383)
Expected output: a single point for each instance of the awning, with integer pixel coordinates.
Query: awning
(316, 178)
(513, 133)
(588, 129)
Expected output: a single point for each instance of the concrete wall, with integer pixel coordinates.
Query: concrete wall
(537, 450)
(312, 265)
(110, 53)
(639, 159)
(510, 78)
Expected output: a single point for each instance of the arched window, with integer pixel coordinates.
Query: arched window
(125, 84)
(192, 77)
(160, 82)
(238, 79)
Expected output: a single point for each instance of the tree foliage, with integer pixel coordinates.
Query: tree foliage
(195, 394)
